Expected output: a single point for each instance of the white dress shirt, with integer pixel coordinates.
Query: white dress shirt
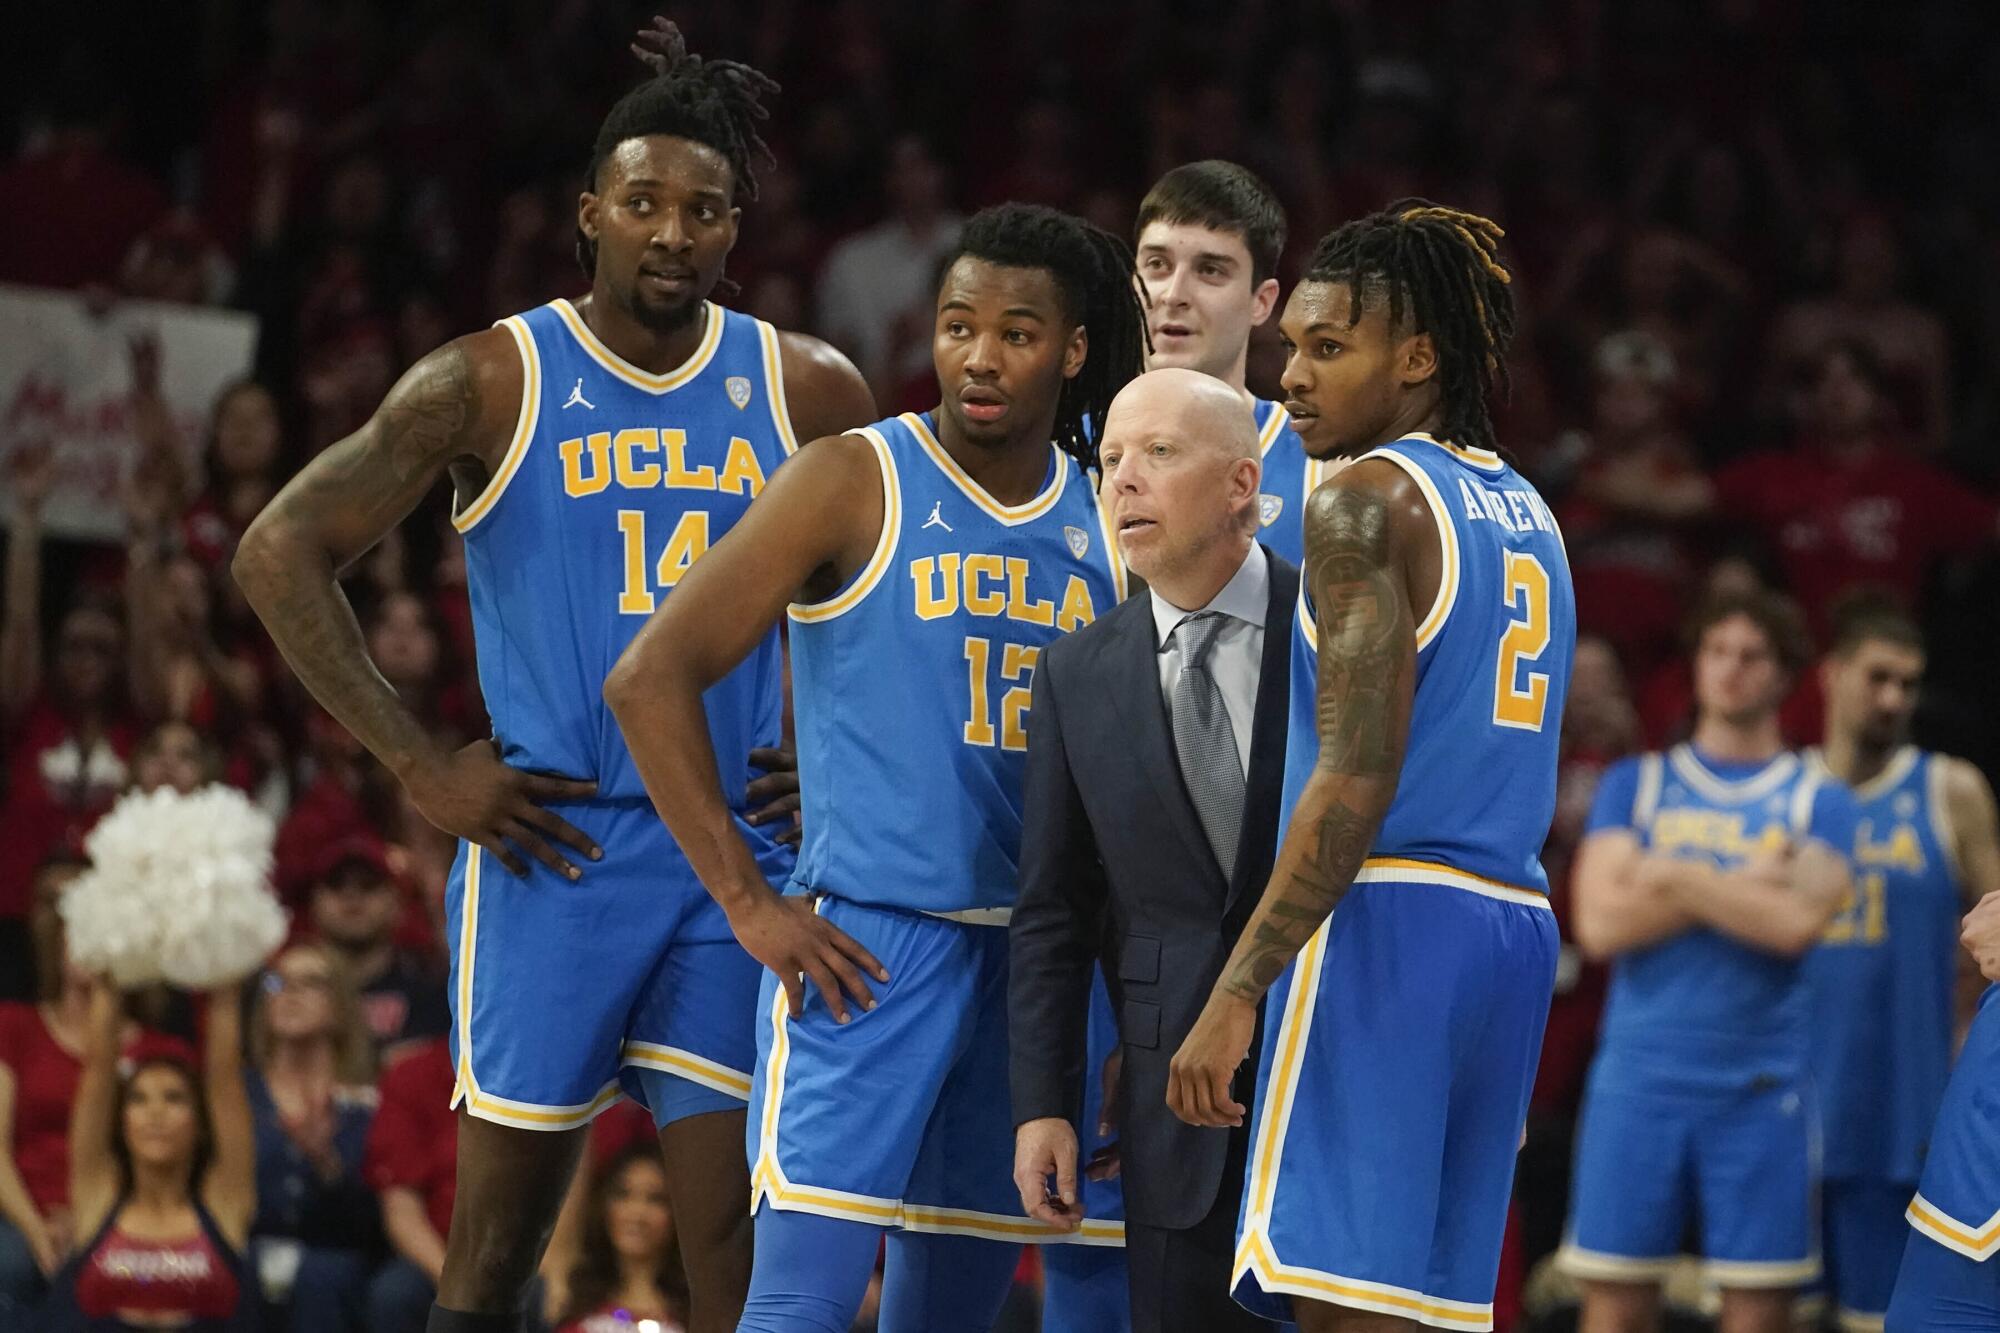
(1236, 658)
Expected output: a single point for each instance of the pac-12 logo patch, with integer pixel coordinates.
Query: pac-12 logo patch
(739, 391)
(1079, 541)
(1269, 507)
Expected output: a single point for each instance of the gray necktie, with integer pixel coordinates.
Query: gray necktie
(1205, 742)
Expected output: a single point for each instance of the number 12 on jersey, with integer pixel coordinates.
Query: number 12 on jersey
(1521, 696)
(1017, 663)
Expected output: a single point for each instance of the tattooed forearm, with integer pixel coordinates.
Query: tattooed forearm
(1366, 667)
(338, 507)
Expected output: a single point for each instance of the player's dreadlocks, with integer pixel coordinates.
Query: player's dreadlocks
(712, 102)
(1441, 269)
(1093, 271)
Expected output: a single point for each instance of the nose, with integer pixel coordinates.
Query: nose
(1125, 477)
(670, 234)
(1173, 292)
(1296, 379)
(982, 355)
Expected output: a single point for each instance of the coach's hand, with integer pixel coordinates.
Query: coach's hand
(1199, 1077)
(470, 794)
(775, 796)
(782, 932)
(1980, 932)
(1044, 1148)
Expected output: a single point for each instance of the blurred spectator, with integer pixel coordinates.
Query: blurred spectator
(68, 731)
(175, 755)
(1912, 356)
(74, 208)
(411, 1164)
(175, 1137)
(1844, 506)
(355, 908)
(878, 288)
(245, 456)
(629, 1268)
(312, 1095)
(409, 649)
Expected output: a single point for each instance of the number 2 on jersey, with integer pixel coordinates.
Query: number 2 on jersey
(1521, 697)
(687, 544)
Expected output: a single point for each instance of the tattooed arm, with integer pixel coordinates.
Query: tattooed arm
(1369, 538)
(455, 409)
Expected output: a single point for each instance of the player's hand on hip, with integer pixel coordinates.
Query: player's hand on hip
(785, 934)
(471, 794)
(775, 796)
(1980, 932)
(1045, 1148)
(1199, 1077)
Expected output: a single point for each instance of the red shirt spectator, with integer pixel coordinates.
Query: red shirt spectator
(58, 784)
(413, 1143)
(73, 211)
(45, 1076)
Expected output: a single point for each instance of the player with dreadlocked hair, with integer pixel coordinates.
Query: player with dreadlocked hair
(923, 563)
(1429, 666)
(597, 447)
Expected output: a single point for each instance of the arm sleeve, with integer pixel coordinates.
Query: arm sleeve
(1617, 791)
(1056, 929)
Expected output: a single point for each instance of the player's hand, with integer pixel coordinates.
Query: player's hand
(785, 934)
(1045, 1148)
(470, 794)
(1980, 932)
(1199, 1077)
(775, 796)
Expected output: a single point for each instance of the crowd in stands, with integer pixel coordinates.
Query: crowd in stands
(1756, 258)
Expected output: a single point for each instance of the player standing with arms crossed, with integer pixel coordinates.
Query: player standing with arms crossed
(923, 563)
(1885, 973)
(596, 449)
(1406, 934)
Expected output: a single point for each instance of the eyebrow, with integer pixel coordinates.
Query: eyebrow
(649, 183)
(1011, 312)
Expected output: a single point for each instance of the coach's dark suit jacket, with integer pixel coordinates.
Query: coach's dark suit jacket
(1114, 860)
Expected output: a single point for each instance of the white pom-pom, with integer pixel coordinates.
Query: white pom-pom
(178, 890)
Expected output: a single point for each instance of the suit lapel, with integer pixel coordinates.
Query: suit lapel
(1268, 731)
(1134, 682)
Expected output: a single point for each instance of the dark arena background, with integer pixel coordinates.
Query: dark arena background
(1755, 248)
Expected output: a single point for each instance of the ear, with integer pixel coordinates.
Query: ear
(1829, 673)
(587, 205)
(1416, 359)
(1263, 301)
(1246, 477)
(1074, 354)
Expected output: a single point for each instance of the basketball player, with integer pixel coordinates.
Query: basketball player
(1884, 975)
(1707, 872)
(1208, 238)
(596, 449)
(1948, 1281)
(923, 562)
(1435, 634)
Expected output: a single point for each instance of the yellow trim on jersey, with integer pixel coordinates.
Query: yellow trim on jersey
(1448, 569)
(1976, 1243)
(1003, 1227)
(502, 1110)
(1277, 1113)
(1255, 1255)
(1479, 458)
(1857, 1321)
(694, 1068)
(1404, 870)
(948, 465)
(1273, 428)
(617, 365)
(774, 385)
(885, 545)
(1893, 772)
(1579, 1262)
(524, 429)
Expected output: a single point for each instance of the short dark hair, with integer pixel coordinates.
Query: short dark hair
(1872, 615)
(1777, 615)
(1092, 270)
(1222, 197)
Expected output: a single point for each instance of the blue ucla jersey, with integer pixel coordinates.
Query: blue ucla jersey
(1478, 787)
(1883, 977)
(1700, 1007)
(1289, 477)
(616, 482)
(910, 685)
(1958, 1196)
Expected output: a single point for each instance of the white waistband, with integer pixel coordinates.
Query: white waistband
(977, 916)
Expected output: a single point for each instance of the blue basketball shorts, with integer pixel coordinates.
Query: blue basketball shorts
(1399, 1052)
(900, 1116)
(1862, 1231)
(1739, 1163)
(1939, 1289)
(564, 995)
